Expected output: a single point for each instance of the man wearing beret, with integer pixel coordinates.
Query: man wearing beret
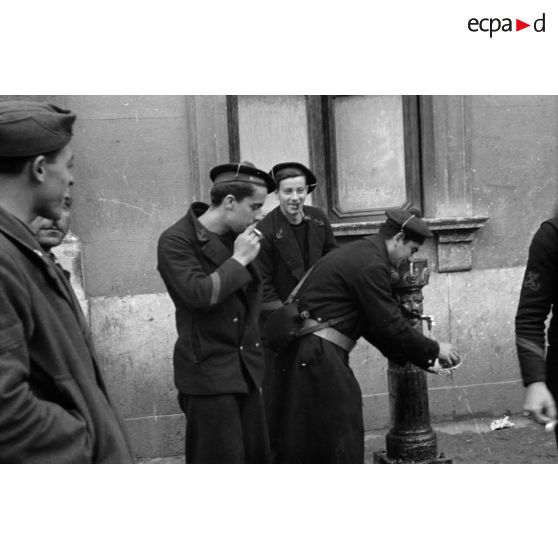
(537, 347)
(206, 262)
(295, 237)
(317, 402)
(54, 407)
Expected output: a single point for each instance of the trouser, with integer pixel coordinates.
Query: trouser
(225, 428)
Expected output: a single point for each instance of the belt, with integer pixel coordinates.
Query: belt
(328, 333)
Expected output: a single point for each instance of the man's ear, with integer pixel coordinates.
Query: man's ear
(38, 168)
(229, 201)
(399, 236)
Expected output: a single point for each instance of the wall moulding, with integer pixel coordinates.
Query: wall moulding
(448, 179)
(453, 238)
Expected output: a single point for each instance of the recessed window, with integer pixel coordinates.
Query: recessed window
(364, 149)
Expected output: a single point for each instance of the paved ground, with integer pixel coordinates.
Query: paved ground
(474, 442)
(471, 442)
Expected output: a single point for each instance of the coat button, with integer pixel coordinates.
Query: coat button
(257, 344)
(235, 320)
(241, 348)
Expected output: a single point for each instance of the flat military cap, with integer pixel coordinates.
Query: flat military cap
(241, 173)
(409, 222)
(30, 128)
(290, 170)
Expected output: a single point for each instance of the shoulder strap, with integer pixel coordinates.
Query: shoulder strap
(294, 292)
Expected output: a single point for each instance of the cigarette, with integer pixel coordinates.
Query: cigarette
(258, 233)
(550, 426)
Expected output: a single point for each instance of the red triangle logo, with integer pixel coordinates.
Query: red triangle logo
(519, 25)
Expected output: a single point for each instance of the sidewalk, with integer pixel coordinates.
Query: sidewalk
(470, 441)
(473, 441)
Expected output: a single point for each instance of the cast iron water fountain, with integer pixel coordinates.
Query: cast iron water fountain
(411, 438)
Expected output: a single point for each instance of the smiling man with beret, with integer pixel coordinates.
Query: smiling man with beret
(54, 406)
(295, 237)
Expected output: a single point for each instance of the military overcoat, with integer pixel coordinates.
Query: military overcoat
(316, 412)
(217, 303)
(54, 406)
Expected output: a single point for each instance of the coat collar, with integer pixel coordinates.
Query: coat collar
(380, 243)
(19, 233)
(286, 244)
(316, 235)
(217, 253)
(22, 236)
(212, 248)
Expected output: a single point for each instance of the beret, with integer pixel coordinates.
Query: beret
(289, 170)
(30, 128)
(242, 174)
(409, 222)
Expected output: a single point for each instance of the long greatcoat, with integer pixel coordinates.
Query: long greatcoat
(317, 403)
(217, 304)
(282, 266)
(539, 296)
(54, 407)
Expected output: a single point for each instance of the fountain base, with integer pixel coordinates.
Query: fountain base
(381, 458)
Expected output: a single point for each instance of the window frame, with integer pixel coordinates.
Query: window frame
(323, 157)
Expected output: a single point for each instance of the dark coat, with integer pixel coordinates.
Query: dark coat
(54, 407)
(316, 410)
(217, 306)
(357, 277)
(280, 261)
(539, 295)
